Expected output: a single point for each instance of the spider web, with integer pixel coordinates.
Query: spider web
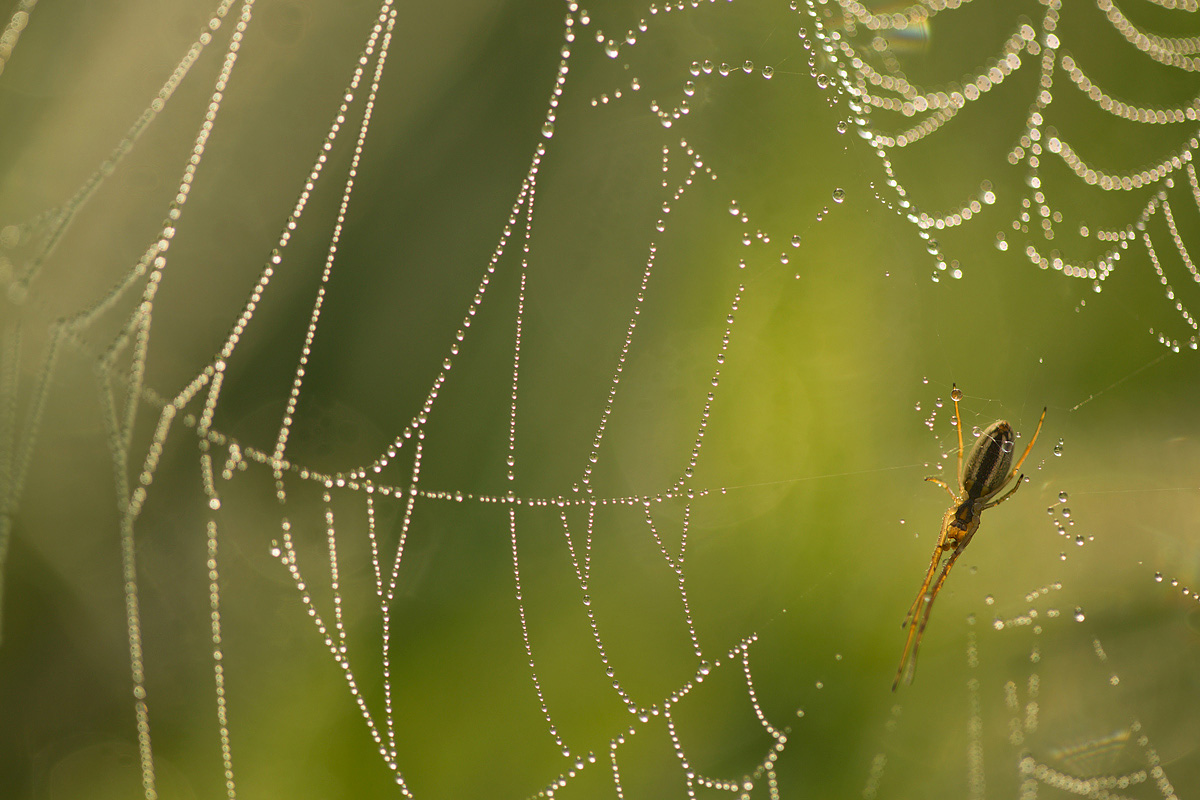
(533, 417)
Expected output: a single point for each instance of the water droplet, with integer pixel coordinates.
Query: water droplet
(1079, 617)
(839, 194)
(1058, 448)
(548, 129)
(989, 600)
(1158, 577)
(1062, 497)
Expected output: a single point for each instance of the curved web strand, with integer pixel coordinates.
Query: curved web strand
(877, 90)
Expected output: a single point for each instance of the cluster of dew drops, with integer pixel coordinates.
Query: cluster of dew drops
(1060, 517)
(761, 237)
(1187, 591)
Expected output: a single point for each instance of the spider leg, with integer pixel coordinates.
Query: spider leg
(920, 610)
(924, 605)
(933, 565)
(1008, 494)
(944, 485)
(915, 609)
(912, 611)
(954, 395)
(1029, 446)
(937, 587)
(908, 663)
(928, 607)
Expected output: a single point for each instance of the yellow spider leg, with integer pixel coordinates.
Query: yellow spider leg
(912, 611)
(1029, 446)
(954, 395)
(1007, 494)
(916, 606)
(908, 662)
(933, 565)
(943, 484)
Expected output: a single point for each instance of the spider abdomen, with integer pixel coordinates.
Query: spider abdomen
(986, 468)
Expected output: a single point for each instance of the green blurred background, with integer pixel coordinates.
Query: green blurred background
(812, 526)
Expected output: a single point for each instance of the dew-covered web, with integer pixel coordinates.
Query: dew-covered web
(525, 400)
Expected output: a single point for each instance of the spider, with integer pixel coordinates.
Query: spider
(981, 485)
